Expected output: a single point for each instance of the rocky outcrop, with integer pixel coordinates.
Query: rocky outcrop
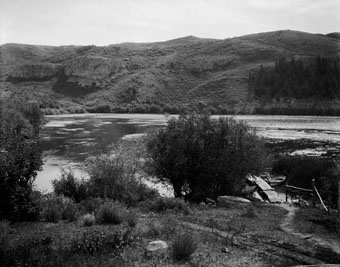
(93, 67)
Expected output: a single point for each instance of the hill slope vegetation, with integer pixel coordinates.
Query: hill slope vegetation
(186, 70)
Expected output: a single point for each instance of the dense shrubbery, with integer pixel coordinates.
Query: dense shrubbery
(183, 247)
(300, 172)
(319, 78)
(203, 157)
(20, 159)
(56, 208)
(69, 186)
(110, 176)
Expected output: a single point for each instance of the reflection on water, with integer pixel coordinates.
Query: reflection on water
(69, 139)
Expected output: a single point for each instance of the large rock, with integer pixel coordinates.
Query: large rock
(157, 246)
(229, 200)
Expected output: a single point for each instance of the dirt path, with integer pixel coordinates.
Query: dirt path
(271, 249)
(288, 226)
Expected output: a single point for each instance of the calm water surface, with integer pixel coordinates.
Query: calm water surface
(69, 139)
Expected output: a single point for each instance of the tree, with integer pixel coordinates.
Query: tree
(20, 159)
(205, 157)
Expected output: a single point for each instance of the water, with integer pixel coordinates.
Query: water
(69, 139)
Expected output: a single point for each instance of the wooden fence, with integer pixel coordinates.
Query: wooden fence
(313, 193)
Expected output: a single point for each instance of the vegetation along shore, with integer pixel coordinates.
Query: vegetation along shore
(113, 219)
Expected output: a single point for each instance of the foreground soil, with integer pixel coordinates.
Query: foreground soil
(253, 234)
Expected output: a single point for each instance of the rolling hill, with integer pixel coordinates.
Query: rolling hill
(178, 72)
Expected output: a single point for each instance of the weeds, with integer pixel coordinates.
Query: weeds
(183, 247)
(111, 213)
(87, 220)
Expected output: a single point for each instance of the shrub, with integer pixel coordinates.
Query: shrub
(20, 158)
(55, 208)
(70, 210)
(52, 209)
(87, 220)
(183, 247)
(114, 176)
(90, 205)
(70, 187)
(111, 213)
(300, 171)
(204, 157)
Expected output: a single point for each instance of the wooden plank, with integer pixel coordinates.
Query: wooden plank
(262, 184)
(297, 189)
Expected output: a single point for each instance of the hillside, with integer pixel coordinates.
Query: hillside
(176, 72)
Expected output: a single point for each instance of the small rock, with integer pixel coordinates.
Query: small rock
(157, 245)
(210, 202)
(225, 250)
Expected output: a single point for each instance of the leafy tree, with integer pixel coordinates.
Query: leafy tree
(205, 157)
(20, 159)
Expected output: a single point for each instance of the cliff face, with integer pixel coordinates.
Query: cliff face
(181, 71)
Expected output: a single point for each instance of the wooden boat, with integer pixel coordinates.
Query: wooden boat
(273, 180)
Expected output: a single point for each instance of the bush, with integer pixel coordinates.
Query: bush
(183, 247)
(87, 220)
(20, 159)
(70, 210)
(111, 213)
(114, 176)
(300, 171)
(52, 210)
(56, 208)
(203, 157)
(166, 203)
(70, 187)
(90, 205)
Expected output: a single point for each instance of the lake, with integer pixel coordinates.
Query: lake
(69, 139)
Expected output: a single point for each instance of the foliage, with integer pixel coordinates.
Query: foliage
(90, 205)
(70, 187)
(183, 247)
(301, 171)
(111, 213)
(114, 176)
(205, 157)
(297, 78)
(87, 220)
(56, 208)
(20, 159)
(93, 241)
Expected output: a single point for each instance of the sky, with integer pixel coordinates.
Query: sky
(103, 22)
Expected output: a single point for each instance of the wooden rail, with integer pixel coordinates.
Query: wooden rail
(305, 192)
